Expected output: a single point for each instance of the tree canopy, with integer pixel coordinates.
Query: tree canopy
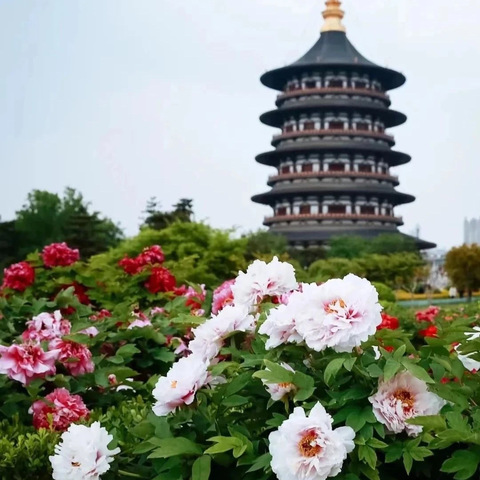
(462, 265)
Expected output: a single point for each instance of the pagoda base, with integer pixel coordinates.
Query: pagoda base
(303, 237)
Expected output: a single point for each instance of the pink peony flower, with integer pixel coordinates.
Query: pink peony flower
(261, 280)
(18, 276)
(180, 385)
(46, 326)
(58, 410)
(157, 311)
(59, 255)
(222, 296)
(26, 362)
(75, 357)
(401, 398)
(139, 323)
(161, 280)
(103, 313)
(308, 448)
(194, 298)
(427, 315)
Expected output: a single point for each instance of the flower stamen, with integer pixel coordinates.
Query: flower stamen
(308, 445)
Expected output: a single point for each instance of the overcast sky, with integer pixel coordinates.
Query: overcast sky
(128, 99)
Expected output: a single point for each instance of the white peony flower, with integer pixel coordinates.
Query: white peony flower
(262, 279)
(401, 398)
(279, 390)
(340, 313)
(180, 384)
(469, 363)
(139, 323)
(209, 337)
(83, 453)
(280, 324)
(308, 448)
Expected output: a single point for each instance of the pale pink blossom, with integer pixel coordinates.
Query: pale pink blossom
(263, 280)
(222, 296)
(58, 410)
(278, 391)
(138, 323)
(83, 453)
(90, 331)
(340, 313)
(209, 337)
(307, 448)
(26, 362)
(46, 326)
(180, 385)
(157, 311)
(75, 357)
(401, 398)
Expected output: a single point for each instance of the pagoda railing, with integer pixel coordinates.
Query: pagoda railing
(333, 131)
(326, 90)
(295, 175)
(332, 216)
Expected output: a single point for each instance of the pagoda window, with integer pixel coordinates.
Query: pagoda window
(292, 87)
(285, 169)
(367, 210)
(288, 128)
(364, 168)
(361, 84)
(336, 125)
(281, 211)
(309, 125)
(307, 167)
(362, 127)
(337, 209)
(305, 209)
(336, 167)
(310, 84)
(335, 83)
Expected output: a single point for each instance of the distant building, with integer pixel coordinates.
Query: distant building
(471, 231)
(438, 278)
(333, 156)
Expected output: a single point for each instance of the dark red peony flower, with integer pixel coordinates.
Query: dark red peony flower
(389, 322)
(430, 331)
(161, 280)
(103, 313)
(131, 266)
(18, 276)
(58, 410)
(150, 256)
(59, 255)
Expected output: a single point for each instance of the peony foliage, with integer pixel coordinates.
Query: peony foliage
(123, 371)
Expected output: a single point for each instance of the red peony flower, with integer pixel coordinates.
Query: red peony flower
(103, 313)
(58, 410)
(26, 362)
(194, 298)
(161, 280)
(75, 357)
(427, 315)
(430, 331)
(151, 255)
(222, 296)
(389, 322)
(389, 348)
(59, 255)
(131, 266)
(18, 276)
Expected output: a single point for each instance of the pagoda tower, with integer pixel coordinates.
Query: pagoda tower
(333, 154)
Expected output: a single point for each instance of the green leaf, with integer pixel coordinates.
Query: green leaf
(223, 444)
(260, 463)
(375, 443)
(127, 350)
(332, 369)
(407, 462)
(367, 455)
(234, 401)
(429, 422)
(305, 385)
(399, 352)
(391, 368)
(170, 447)
(417, 371)
(274, 373)
(349, 363)
(464, 463)
(201, 468)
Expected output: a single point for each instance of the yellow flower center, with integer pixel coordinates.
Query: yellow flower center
(334, 306)
(173, 384)
(405, 397)
(308, 445)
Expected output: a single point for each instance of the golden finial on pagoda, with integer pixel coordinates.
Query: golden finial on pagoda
(333, 17)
